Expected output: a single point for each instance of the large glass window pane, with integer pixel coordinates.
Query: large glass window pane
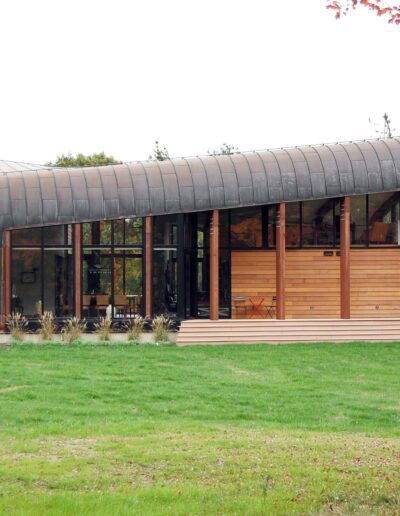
(224, 229)
(119, 233)
(97, 233)
(246, 228)
(165, 230)
(96, 282)
(383, 215)
(358, 220)
(133, 231)
(165, 276)
(203, 283)
(57, 235)
(58, 282)
(293, 224)
(203, 229)
(271, 225)
(28, 236)
(318, 223)
(128, 298)
(26, 282)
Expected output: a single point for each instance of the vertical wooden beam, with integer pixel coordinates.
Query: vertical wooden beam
(280, 260)
(7, 273)
(148, 281)
(345, 258)
(214, 266)
(78, 270)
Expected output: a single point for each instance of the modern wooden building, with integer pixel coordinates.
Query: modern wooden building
(298, 233)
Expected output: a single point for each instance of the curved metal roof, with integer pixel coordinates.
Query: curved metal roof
(16, 166)
(60, 195)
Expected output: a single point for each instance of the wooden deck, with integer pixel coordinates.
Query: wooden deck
(272, 331)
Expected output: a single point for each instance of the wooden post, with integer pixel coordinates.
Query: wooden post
(148, 267)
(78, 270)
(214, 266)
(345, 258)
(7, 273)
(280, 260)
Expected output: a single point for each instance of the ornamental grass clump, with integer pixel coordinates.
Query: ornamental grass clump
(72, 330)
(104, 327)
(135, 328)
(17, 325)
(47, 325)
(161, 325)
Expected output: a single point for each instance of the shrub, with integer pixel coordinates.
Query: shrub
(73, 329)
(47, 325)
(103, 327)
(17, 325)
(161, 325)
(135, 328)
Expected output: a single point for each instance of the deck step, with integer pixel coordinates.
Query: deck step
(274, 331)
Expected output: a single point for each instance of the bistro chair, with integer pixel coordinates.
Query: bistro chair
(121, 304)
(239, 306)
(102, 301)
(271, 309)
(86, 302)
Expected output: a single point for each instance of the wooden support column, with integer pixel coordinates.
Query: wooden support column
(214, 266)
(345, 258)
(78, 269)
(7, 274)
(148, 267)
(280, 260)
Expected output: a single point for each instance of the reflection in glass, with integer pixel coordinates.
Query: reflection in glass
(57, 235)
(246, 228)
(96, 282)
(26, 282)
(97, 233)
(165, 230)
(293, 224)
(358, 219)
(383, 223)
(127, 283)
(318, 227)
(165, 276)
(28, 236)
(58, 282)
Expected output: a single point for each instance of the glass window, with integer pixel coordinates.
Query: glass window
(293, 224)
(165, 276)
(97, 233)
(28, 236)
(271, 225)
(383, 219)
(133, 231)
(358, 220)
(97, 280)
(26, 282)
(246, 228)
(128, 297)
(58, 282)
(203, 229)
(119, 232)
(165, 230)
(57, 235)
(318, 224)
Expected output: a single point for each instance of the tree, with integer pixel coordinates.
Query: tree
(386, 9)
(159, 153)
(387, 130)
(81, 160)
(225, 148)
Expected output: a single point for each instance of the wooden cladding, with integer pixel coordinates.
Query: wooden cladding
(312, 281)
(375, 282)
(214, 265)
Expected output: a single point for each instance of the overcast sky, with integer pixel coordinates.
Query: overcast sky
(116, 75)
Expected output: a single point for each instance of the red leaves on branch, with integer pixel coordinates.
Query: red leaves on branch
(387, 9)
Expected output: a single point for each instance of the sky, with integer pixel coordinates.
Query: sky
(116, 75)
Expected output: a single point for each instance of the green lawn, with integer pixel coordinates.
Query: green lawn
(122, 429)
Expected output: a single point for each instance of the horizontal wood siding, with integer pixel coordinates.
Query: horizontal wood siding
(375, 282)
(312, 284)
(312, 280)
(253, 274)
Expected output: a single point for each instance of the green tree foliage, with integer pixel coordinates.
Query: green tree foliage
(82, 160)
(159, 153)
(225, 148)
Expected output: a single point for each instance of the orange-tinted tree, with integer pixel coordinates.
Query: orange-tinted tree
(390, 10)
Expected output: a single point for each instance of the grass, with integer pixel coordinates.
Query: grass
(121, 429)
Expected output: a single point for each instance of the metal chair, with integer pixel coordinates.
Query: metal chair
(271, 309)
